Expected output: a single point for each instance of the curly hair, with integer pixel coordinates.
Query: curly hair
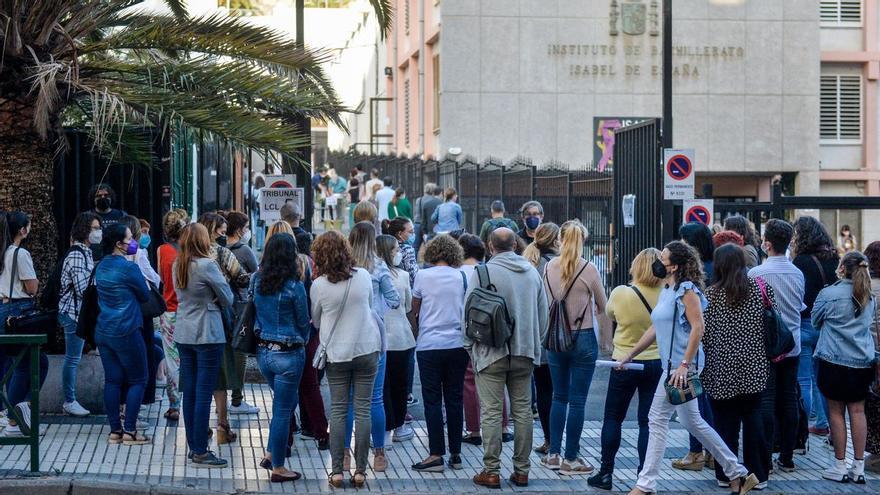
(690, 268)
(279, 264)
(333, 258)
(872, 252)
(811, 238)
(727, 236)
(237, 222)
(82, 226)
(741, 226)
(445, 249)
(173, 222)
(472, 247)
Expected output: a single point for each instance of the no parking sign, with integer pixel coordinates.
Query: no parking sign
(698, 210)
(678, 174)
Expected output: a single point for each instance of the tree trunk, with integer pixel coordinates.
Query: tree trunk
(26, 180)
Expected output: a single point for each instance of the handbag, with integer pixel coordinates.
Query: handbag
(778, 339)
(155, 306)
(31, 321)
(245, 338)
(88, 313)
(320, 359)
(693, 386)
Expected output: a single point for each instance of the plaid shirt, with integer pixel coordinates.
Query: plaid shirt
(75, 274)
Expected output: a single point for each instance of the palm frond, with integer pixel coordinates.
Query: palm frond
(384, 15)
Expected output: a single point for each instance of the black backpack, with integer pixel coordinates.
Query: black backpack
(51, 296)
(487, 320)
(560, 336)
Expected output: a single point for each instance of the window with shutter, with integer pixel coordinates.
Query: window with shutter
(840, 113)
(842, 13)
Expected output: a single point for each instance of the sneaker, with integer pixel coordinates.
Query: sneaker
(403, 434)
(552, 462)
(243, 408)
(24, 409)
(473, 439)
(411, 400)
(761, 486)
(837, 472)
(308, 435)
(324, 444)
(723, 484)
(575, 467)
(693, 461)
(380, 462)
(75, 409)
(12, 431)
(856, 472)
(389, 440)
(4, 421)
(408, 418)
(208, 460)
(506, 437)
(785, 467)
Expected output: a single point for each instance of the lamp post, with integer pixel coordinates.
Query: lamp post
(667, 209)
(304, 153)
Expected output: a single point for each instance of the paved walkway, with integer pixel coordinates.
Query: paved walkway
(77, 448)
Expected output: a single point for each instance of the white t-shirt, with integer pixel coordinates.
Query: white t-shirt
(383, 199)
(24, 271)
(441, 289)
(370, 184)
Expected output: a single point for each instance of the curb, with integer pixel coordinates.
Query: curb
(71, 486)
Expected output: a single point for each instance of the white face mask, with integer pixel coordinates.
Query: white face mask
(246, 237)
(96, 236)
(397, 259)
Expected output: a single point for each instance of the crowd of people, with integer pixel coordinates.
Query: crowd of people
(739, 334)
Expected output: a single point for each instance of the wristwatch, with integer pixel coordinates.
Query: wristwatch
(684, 363)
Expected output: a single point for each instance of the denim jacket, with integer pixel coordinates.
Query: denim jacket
(284, 316)
(121, 289)
(844, 338)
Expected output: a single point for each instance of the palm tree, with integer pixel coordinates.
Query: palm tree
(114, 69)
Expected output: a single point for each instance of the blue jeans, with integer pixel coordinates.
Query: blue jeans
(377, 409)
(125, 364)
(283, 372)
(814, 403)
(19, 386)
(199, 367)
(572, 373)
(73, 347)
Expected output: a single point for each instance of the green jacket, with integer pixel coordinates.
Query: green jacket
(402, 209)
(494, 223)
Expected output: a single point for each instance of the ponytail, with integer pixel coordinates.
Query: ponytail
(855, 267)
(11, 224)
(573, 234)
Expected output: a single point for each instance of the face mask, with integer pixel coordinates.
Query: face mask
(533, 222)
(144, 243)
(102, 203)
(397, 259)
(659, 269)
(132, 248)
(411, 239)
(221, 241)
(246, 237)
(95, 236)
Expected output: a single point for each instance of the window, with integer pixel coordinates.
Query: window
(840, 12)
(436, 95)
(406, 16)
(406, 112)
(840, 108)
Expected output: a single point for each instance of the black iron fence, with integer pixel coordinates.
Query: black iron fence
(565, 192)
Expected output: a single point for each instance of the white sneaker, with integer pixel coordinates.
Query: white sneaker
(12, 431)
(389, 444)
(837, 472)
(552, 462)
(575, 467)
(723, 484)
(857, 472)
(75, 409)
(404, 433)
(243, 408)
(4, 421)
(760, 486)
(24, 409)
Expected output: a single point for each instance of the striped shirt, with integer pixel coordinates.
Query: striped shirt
(788, 285)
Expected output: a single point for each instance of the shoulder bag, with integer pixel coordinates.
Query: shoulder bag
(778, 340)
(154, 306)
(32, 321)
(320, 359)
(244, 339)
(88, 313)
(693, 386)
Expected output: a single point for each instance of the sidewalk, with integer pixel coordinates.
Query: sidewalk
(76, 451)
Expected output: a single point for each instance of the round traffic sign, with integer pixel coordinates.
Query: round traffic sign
(281, 184)
(679, 167)
(698, 214)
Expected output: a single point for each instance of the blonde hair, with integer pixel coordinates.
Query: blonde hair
(279, 227)
(641, 271)
(573, 234)
(546, 237)
(194, 244)
(365, 212)
(362, 239)
(173, 222)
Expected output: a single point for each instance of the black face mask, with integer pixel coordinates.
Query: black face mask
(221, 241)
(659, 269)
(102, 203)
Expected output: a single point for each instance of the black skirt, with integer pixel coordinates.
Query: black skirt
(842, 383)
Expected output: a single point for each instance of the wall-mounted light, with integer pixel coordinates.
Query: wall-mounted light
(389, 72)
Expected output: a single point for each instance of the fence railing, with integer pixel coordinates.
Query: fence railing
(566, 192)
(20, 346)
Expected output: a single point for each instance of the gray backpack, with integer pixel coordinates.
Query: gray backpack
(487, 320)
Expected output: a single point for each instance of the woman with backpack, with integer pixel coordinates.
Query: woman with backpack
(677, 327)
(845, 356)
(630, 306)
(736, 368)
(437, 306)
(544, 248)
(18, 286)
(76, 270)
(572, 285)
(172, 225)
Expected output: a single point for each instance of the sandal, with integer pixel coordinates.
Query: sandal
(335, 480)
(134, 438)
(115, 437)
(358, 479)
(172, 414)
(266, 464)
(225, 434)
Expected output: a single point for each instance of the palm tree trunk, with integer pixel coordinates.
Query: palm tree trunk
(26, 180)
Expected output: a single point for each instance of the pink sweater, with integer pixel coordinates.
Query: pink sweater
(587, 288)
